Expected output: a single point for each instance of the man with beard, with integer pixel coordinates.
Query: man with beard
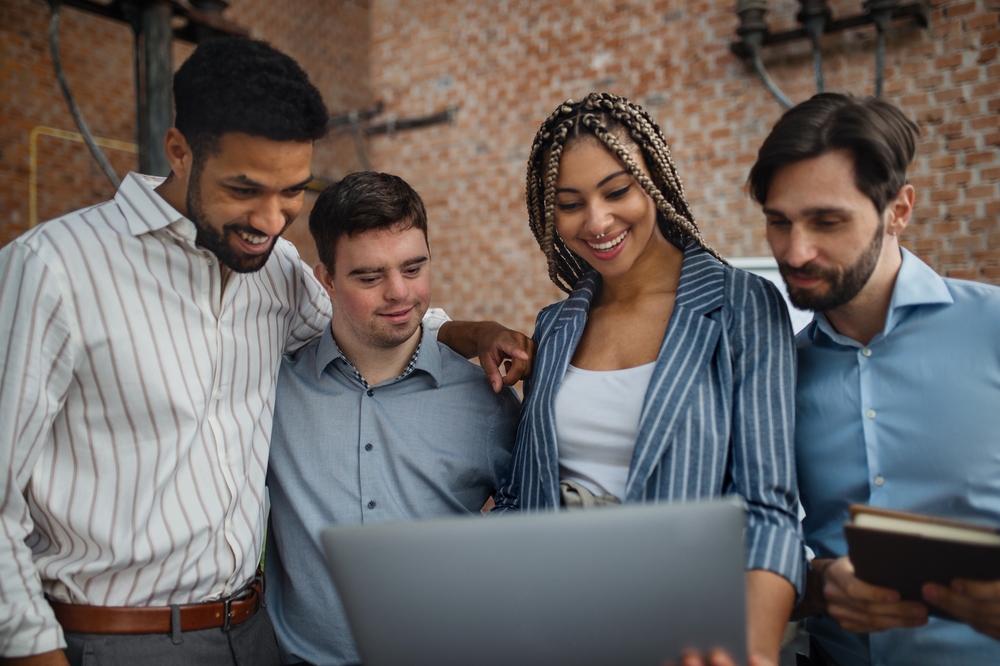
(898, 379)
(420, 434)
(141, 345)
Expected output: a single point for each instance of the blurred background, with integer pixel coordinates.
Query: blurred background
(448, 94)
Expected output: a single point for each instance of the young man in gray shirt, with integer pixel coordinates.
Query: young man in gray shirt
(419, 431)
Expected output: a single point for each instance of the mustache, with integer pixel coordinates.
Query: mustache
(809, 270)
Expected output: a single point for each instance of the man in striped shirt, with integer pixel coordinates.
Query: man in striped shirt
(140, 342)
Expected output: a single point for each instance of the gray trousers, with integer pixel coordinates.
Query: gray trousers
(251, 643)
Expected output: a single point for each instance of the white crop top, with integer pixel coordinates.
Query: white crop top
(597, 420)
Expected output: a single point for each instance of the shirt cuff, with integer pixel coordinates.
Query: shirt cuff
(38, 631)
(433, 320)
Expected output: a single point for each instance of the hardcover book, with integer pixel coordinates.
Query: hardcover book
(903, 551)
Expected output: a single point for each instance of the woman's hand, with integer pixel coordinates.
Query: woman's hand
(717, 658)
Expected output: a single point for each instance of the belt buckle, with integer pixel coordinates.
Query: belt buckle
(227, 613)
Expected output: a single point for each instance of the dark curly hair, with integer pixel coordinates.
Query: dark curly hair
(237, 84)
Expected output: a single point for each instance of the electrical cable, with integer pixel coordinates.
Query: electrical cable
(74, 109)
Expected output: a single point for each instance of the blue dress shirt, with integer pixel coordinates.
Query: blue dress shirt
(910, 421)
(434, 441)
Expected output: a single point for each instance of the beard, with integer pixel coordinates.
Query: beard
(214, 240)
(844, 284)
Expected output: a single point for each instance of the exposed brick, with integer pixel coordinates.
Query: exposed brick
(957, 177)
(949, 61)
(980, 191)
(964, 143)
(984, 157)
(985, 20)
(962, 9)
(944, 195)
(508, 69)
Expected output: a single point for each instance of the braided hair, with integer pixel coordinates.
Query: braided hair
(615, 122)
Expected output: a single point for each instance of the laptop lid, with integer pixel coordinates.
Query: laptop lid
(619, 585)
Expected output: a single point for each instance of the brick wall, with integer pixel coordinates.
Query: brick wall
(507, 63)
(328, 37)
(510, 62)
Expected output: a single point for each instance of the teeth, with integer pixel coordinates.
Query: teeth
(610, 244)
(251, 238)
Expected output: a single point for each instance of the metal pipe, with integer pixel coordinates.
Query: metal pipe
(881, 13)
(753, 28)
(73, 108)
(814, 16)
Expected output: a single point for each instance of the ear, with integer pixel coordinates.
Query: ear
(179, 153)
(899, 210)
(325, 279)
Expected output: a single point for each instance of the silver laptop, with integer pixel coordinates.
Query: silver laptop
(622, 585)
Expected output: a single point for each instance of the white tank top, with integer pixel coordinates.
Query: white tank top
(597, 420)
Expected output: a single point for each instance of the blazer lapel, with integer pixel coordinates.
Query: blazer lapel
(554, 353)
(684, 358)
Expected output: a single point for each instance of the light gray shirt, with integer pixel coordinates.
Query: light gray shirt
(434, 441)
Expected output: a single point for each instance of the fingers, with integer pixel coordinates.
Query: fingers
(492, 370)
(839, 579)
(860, 607)
(715, 657)
(973, 602)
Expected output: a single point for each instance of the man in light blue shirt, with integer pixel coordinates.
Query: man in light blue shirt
(375, 421)
(898, 399)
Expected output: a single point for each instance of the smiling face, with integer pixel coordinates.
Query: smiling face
(380, 286)
(826, 235)
(244, 194)
(601, 212)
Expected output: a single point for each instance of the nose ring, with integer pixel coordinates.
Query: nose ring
(601, 236)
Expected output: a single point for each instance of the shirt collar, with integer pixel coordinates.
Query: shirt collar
(916, 284)
(425, 357)
(146, 211)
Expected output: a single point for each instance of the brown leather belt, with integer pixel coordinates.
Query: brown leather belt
(156, 620)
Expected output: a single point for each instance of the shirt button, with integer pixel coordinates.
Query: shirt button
(210, 262)
(370, 393)
(879, 480)
(227, 460)
(866, 352)
(368, 446)
(227, 590)
(371, 504)
(218, 394)
(231, 526)
(870, 413)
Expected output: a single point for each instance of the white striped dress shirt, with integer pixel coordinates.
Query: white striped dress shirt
(136, 399)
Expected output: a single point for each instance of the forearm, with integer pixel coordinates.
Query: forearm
(463, 336)
(769, 604)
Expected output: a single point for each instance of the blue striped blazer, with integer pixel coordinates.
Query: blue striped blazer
(718, 416)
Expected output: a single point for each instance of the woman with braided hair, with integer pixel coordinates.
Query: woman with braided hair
(666, 375)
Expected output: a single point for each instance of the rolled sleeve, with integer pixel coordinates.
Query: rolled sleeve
(763, 462)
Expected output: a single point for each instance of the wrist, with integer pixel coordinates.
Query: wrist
(814, 600)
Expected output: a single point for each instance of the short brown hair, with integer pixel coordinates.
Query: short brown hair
(878, 135)
(361, 202)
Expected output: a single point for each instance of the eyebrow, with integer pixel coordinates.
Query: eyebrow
(368, 270)
(243, 179)
(600, 184)
(810, 212)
